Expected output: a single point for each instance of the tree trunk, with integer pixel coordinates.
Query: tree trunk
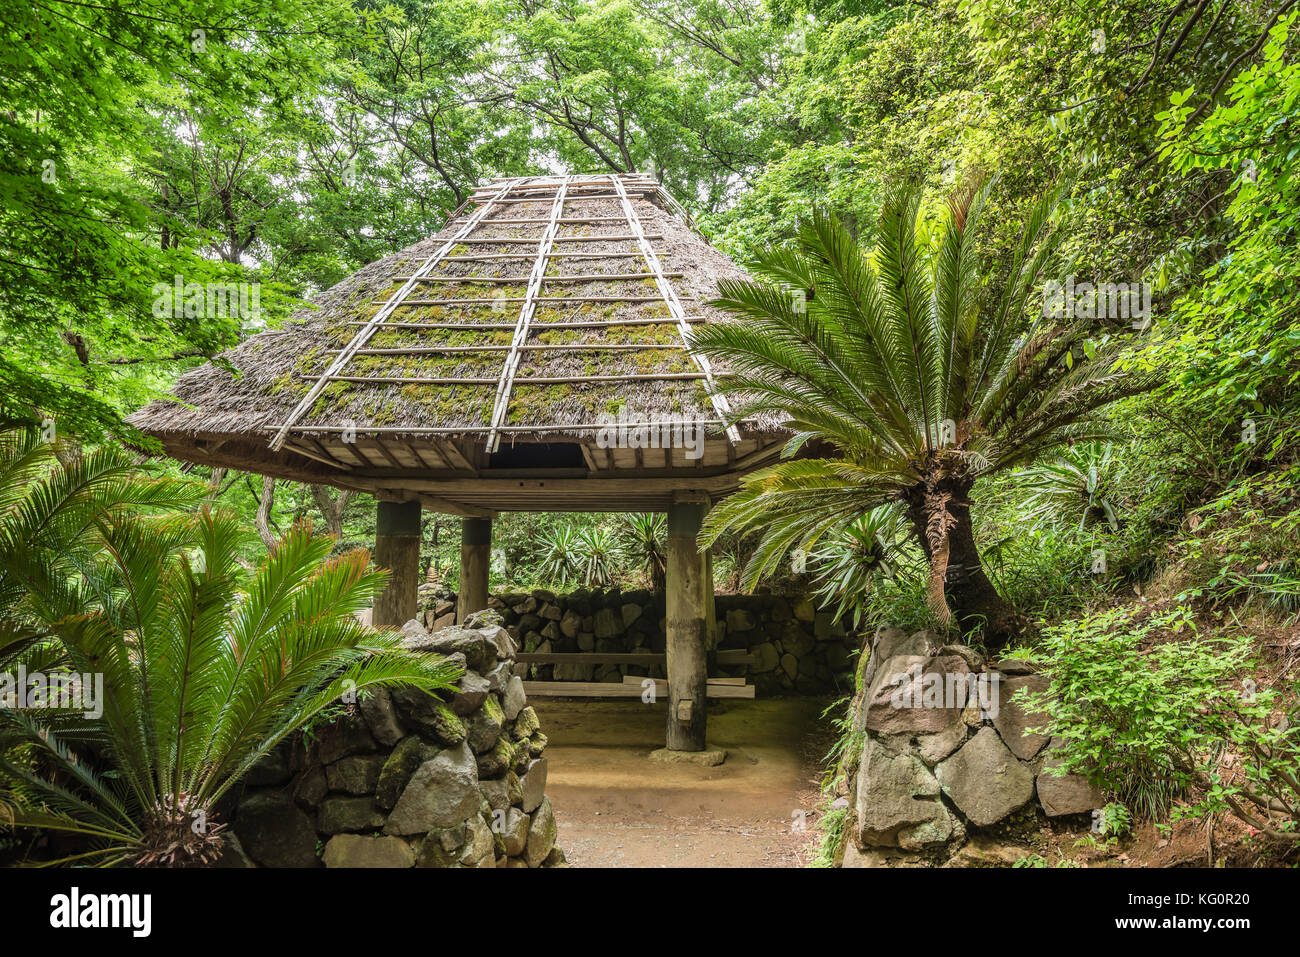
(967, 591)
(263, 518)
(331, 507)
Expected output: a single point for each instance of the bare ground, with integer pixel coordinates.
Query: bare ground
(616, 808)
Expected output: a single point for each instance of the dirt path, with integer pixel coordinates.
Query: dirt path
(617, 808)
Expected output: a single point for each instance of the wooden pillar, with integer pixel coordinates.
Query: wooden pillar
(397, 548)
(687, 629)
(475, 557)
(710, 603)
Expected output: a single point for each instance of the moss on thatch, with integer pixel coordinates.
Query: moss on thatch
(275, 366)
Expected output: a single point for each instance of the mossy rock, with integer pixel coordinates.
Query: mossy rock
(537, 744)
(409, 754)
(496, 762)
(444, 726)
(526, 725)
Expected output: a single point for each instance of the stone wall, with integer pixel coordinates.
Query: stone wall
(801, 649)
(936, 768)
(404, 779)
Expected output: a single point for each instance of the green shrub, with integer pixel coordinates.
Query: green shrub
(1151, 710)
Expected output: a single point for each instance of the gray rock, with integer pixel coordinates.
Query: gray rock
(495, 763)
(413, 629)
(790, 665)
(570, 624)
(514, 700)
(898, 802)
(1012, 720)
(274, 832)
(479, 652)
(908, 692)
(442, 792)
(514, 830)
(498, 676)
(272, 771)
(573, 672)
(409, 754)
(822, 625)
(477, 851)
(1067, 794)
(739, 619)
(606, 624)
(631, 612)
(381, 717)
(353, 850)
(541, 835)
(985, 780)
(341, 814)
(484, 727)
(342, 737)
(496, 793)
(796, 641)
(532, 785)
(470, 693)
(768, 657)
(357, 774)
(232, 854)
(311, 788)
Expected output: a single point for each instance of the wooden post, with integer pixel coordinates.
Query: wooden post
(475, 556)
(397, 548)
(687, 629)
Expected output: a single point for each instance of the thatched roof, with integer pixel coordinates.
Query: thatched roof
(429, 360)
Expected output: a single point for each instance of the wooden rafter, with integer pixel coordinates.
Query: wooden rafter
(506, 380)
(674, 304)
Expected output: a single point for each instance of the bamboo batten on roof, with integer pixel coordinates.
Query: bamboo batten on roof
(460, 370)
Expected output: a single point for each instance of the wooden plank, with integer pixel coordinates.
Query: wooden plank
(645, 659)
(736, 682)
(609, 689)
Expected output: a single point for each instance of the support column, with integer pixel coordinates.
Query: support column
(397, 548)
(475, 558)
(687, 629)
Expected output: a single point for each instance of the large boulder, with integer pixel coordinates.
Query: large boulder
(541, 835)
(985, 780)
(1065, 794)
(911, 694)
(514, 825)
(480, 651)
(357, 774)
(898, 802)
(353, 850)
(274, 832)
(338, 815)
(442, 792)
(381, 717)
(1012, 720)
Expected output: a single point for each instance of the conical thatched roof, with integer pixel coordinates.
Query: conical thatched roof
(546, 308)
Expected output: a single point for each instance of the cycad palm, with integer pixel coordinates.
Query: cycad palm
(909, 380)
(206, 668)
